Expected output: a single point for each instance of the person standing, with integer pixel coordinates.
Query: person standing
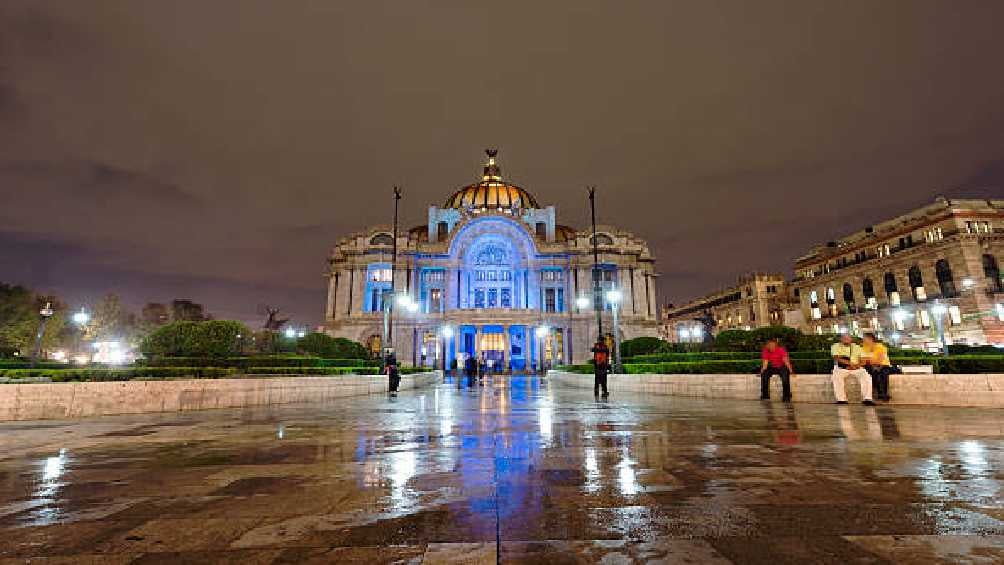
(393, 372)
(775, 362)
(847, 362)
(601, 367)
(876, 359)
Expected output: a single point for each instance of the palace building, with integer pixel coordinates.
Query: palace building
(491, 274)
(928, 277)
(756, 300)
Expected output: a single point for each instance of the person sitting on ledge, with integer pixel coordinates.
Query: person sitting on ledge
(847, 358)
(775, 362)
(876, 359)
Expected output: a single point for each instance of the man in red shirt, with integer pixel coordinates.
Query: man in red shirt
(775, 362)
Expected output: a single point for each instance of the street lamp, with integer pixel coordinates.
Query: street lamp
(80, 319)
(44, 314)
(447, 333)
(289, 332)
(542, 332)
(614, 297)
(938, 310)
(582, 303)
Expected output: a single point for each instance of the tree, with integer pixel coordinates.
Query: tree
(209, 339)
(19, 321)
(112, 321)
(155, 314)
(187, 311)
(323, 345)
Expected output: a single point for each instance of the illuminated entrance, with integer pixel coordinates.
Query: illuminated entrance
(504, 346)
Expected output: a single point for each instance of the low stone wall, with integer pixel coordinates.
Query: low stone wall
(46, 401)
(937, 390)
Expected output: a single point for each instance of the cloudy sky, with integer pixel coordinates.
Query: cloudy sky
(216, 149)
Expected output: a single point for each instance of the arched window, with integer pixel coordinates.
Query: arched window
(889, 281)
(867, 289)
(945, 280)
(601, 239)
(916, 283)
(849, 297)
(382, 239)
(992, 273)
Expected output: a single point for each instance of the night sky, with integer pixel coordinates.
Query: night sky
(215, 150)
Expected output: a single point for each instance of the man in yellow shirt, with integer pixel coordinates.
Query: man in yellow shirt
(847, 362)
(875, 357)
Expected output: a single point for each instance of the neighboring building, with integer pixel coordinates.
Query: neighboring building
(756, 300)
(901, 276)
(489, 269)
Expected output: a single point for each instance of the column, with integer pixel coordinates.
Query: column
(507, 354)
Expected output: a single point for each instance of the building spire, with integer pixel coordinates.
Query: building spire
(492, 171)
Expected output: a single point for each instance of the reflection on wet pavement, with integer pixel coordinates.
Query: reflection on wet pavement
(514, 471)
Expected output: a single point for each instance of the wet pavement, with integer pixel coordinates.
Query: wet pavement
(516, 472)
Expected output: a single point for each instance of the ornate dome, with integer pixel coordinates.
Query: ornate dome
(491, 192)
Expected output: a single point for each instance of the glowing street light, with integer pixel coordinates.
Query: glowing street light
(542, 332)
(968, 283)
(81, 318)
(447, 333)
(582, 303)
(44, 314)
(289, 332)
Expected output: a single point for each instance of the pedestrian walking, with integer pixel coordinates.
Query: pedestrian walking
(393, 372)
(875, 356)
(847, 362)
(775, 362)
(601, 367)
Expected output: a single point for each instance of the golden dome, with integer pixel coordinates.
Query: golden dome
(491, 192)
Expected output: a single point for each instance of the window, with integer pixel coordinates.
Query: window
(550, 300)
(479, 298)
(906, 241)
(923, 319)
(954, 315)
(831, 296)
(1000, 312)
(382, 239)
(436, 300)
(945, 280)
(992, 273)
(916, 283)
(505, 300)
(541, 230)
(434, 276)
(875, 324)
(933, 235)
(380, 274)
(601, 239)
(883, 250)
(551, 275)
(493, 297)
(849, 297)
(819, 330)
(442, 230)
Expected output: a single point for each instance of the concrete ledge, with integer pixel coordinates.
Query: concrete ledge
(985, 390)
(46, 401)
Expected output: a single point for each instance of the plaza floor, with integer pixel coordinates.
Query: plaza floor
(515, 471)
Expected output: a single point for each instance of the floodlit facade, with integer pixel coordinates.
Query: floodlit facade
(756, 300)
(491, 274)
(928, 277)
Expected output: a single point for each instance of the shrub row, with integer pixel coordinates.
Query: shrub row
(314, 371)
(25, 364)
(95, 375)
(960, 364)
(258, 361)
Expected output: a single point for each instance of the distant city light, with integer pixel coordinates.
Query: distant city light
(81, 318)
(290, 333)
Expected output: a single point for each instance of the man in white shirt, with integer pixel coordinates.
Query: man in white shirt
(847, 361)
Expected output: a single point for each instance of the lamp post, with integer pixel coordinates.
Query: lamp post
(597, 290)
(938, 311)
(80, 319)
(447, 333)
(614, 297)
(44, 314)
(541, 332)
(387, 342)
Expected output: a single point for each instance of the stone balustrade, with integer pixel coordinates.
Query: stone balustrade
(985, 390)
(45, 401)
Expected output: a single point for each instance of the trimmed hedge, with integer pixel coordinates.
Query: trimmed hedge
(959, 364)
(97, 375)
(314, 371)
(26, 364)
(258, 361)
